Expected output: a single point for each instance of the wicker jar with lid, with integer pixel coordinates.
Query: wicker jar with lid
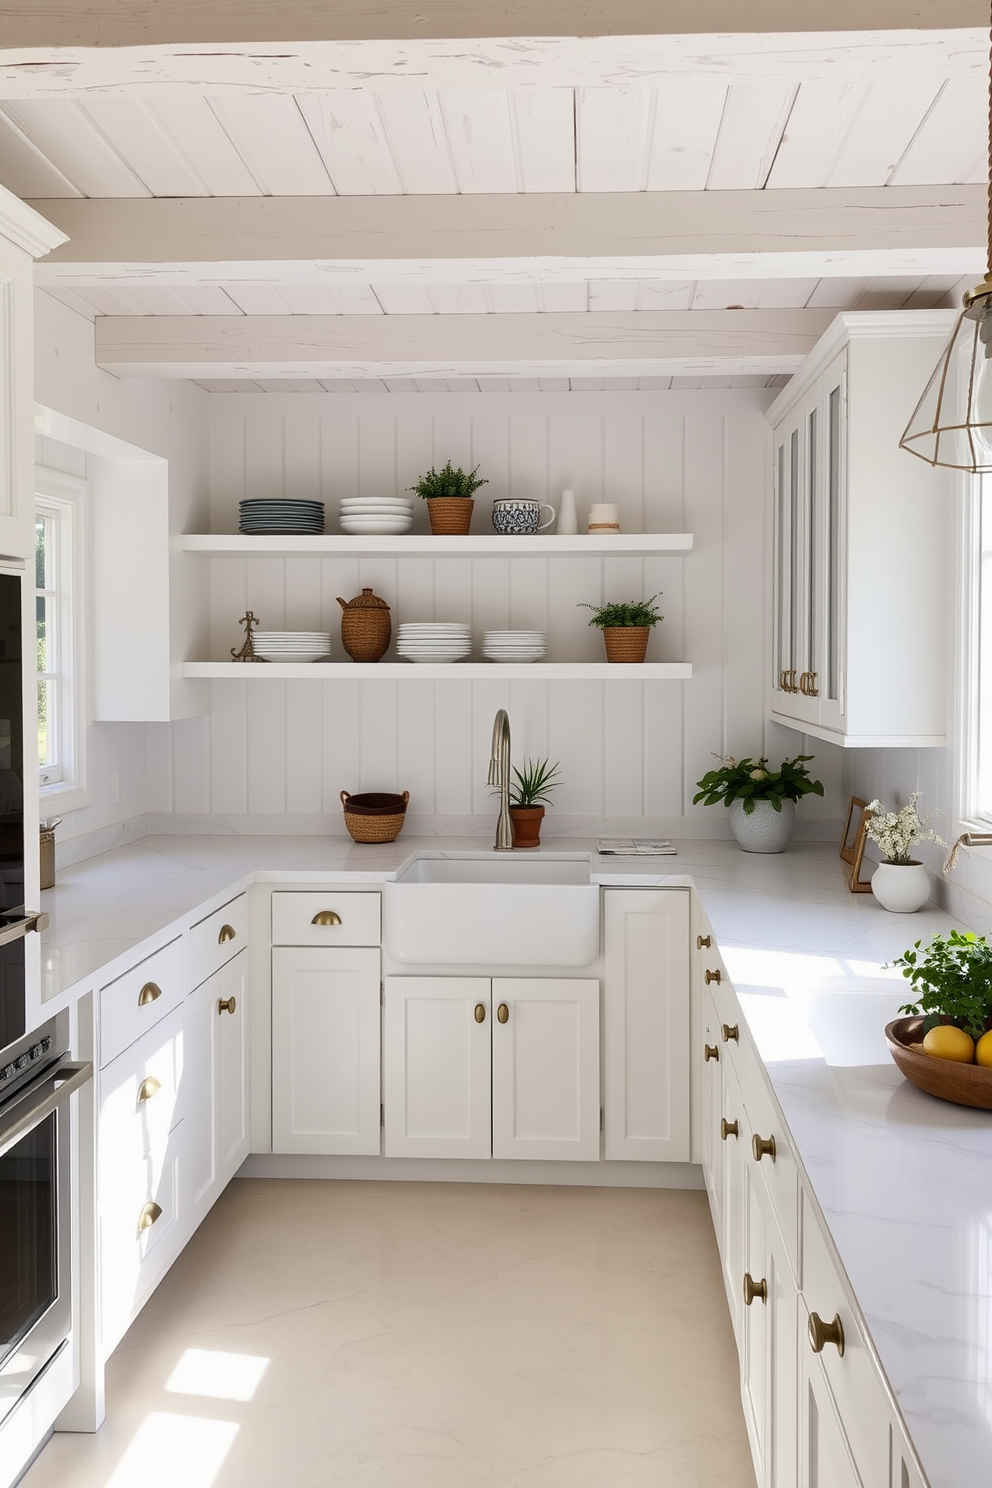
(366, 628)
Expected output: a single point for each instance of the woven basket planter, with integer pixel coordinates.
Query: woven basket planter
(626, 642)
(451, 516)
(374, 816)
(366, 628)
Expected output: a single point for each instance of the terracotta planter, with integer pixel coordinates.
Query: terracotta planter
(451, 516)
(526, 824)
(626, 642)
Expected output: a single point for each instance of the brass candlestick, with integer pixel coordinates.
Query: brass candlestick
(246, 652)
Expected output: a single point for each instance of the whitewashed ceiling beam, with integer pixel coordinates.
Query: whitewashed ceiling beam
(218, 46)
(844, 230)
(210, 347)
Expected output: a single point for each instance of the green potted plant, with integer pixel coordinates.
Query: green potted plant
(761, 801)
(952, 980)
(448, 493)
(530, 787)
(626, 627)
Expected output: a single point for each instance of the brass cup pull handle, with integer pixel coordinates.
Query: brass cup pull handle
(150, 992)
(806, 686)
(804, 683)
(731, 1032)
(821, 1333)
(480, 1012)
(148, 1087)
(710, 1051)
(763, 1147)
(728, 1129)
(793, 687)
(503, 1013)
(703, 942)
(754, 1289)
(227, 1005)
(149, 1214)
(712, 976)
(227, 932)
(326, 917)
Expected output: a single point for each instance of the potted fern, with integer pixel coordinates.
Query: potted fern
(531, 786)
(448, 493)
(626, 627)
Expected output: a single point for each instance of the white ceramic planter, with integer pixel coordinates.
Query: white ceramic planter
(765, 830)
(901, 887)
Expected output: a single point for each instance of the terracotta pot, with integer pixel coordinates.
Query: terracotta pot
(626, 642)
(526, 824)
(451, 516)
(366, 628)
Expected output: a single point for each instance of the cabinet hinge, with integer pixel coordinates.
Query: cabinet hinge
(601, 1118)
(382, 1115)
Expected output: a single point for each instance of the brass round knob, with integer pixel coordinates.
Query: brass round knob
(226, 1005)
(821, 1333)
(503, 1012)
(480, 1012)
(731, 1031)
(754, 1289)
(703, 942)
(710, 1051)
(763, 1147)
(326, 917)
(227, 932)
(712, 976)
(728, 1128)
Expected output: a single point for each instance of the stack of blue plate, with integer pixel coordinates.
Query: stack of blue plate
(284, 515)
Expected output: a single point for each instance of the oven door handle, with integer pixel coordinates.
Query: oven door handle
(19, 928)
(25, 1113)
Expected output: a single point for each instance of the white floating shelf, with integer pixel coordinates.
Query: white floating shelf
(618, 545)
(463, 671)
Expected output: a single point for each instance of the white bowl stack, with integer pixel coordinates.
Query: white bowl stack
(430, 640)
(292, 645)
(514, 645)
(385, 516)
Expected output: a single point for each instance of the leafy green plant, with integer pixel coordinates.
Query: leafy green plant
(448, 482)
(534, 783)
(750, 781)
(952, 979)
(635, 612)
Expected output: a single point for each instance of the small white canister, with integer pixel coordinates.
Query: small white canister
(604, 516)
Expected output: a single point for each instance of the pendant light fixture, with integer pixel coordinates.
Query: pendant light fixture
(952, 423)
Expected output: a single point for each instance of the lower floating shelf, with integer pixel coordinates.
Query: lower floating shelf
(464, 671)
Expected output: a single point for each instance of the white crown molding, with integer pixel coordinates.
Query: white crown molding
(26, 228)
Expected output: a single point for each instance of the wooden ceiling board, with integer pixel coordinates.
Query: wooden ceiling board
(141, 138)
(459, 299)
(951, 143)
(339, 299)
(352, 142)
(543, 125)
(277, 147)
(512, 299)
(612, 294)
(199, 133)
(754, 120)
(404, 299)
(25, 169)
(687, 116)
(414, 127)
(663, 294)
(563, 296)
(74, 301)
(612, 130)
(65, 133)
(887, 294)
(817, 129)
(257, 299)
(477, 127)
(885, 119)
(936, 291)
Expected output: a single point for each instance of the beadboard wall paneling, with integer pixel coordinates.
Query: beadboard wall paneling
(628, 749)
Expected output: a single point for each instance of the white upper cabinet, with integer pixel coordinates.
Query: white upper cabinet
(860, 533)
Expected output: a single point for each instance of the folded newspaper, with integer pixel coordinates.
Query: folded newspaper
(634, 847)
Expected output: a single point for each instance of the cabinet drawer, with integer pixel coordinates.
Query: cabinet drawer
(354, 918)
(212, 942)
(780, 1176)
(139, 1234)
(139, 999)
(141, 1098)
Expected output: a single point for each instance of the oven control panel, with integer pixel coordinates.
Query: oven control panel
(25, 1061)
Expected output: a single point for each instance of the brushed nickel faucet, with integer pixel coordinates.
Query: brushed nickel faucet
(499, 774)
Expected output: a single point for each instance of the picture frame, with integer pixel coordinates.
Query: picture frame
(852, 845)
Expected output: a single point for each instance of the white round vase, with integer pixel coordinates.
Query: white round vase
(765, 830)
(901, 887)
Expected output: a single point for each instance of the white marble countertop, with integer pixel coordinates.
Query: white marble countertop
(904, 1181)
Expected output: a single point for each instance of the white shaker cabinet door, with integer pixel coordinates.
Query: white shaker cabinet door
(325, 1050)
(216, 1083)
(437, 1067)
(646, 1024)
(545, 1038)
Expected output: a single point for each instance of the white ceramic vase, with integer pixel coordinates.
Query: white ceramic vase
(765, 830)
(568, 518)
(901, 887)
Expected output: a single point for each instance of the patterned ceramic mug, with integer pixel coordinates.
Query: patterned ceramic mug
(520, 518)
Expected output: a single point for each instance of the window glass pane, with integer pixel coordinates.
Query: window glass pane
(39, 552)
(45, 738)
(984, 761)
(41, 611)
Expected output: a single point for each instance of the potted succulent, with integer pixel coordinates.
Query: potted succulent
(531, 786)
(762, 802)
(626, 627)
(900, 883)
(448, 493)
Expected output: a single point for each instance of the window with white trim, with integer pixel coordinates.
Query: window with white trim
(58, 515)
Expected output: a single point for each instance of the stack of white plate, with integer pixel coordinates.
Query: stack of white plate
(434, 641)
(387, 516)
(513, 645)
(289, 514)
(292, 645)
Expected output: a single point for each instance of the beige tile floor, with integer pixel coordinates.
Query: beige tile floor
(416, 1335)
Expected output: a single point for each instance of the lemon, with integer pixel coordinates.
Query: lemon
(948, 1042)
(983, 1050)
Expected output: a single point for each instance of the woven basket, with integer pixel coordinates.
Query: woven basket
(366, 628)
(374, 816)
(451, 516)
(626, 642)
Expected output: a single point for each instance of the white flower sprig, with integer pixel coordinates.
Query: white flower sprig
(897, 831)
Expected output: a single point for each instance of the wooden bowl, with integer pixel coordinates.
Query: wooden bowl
(964, 1084)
